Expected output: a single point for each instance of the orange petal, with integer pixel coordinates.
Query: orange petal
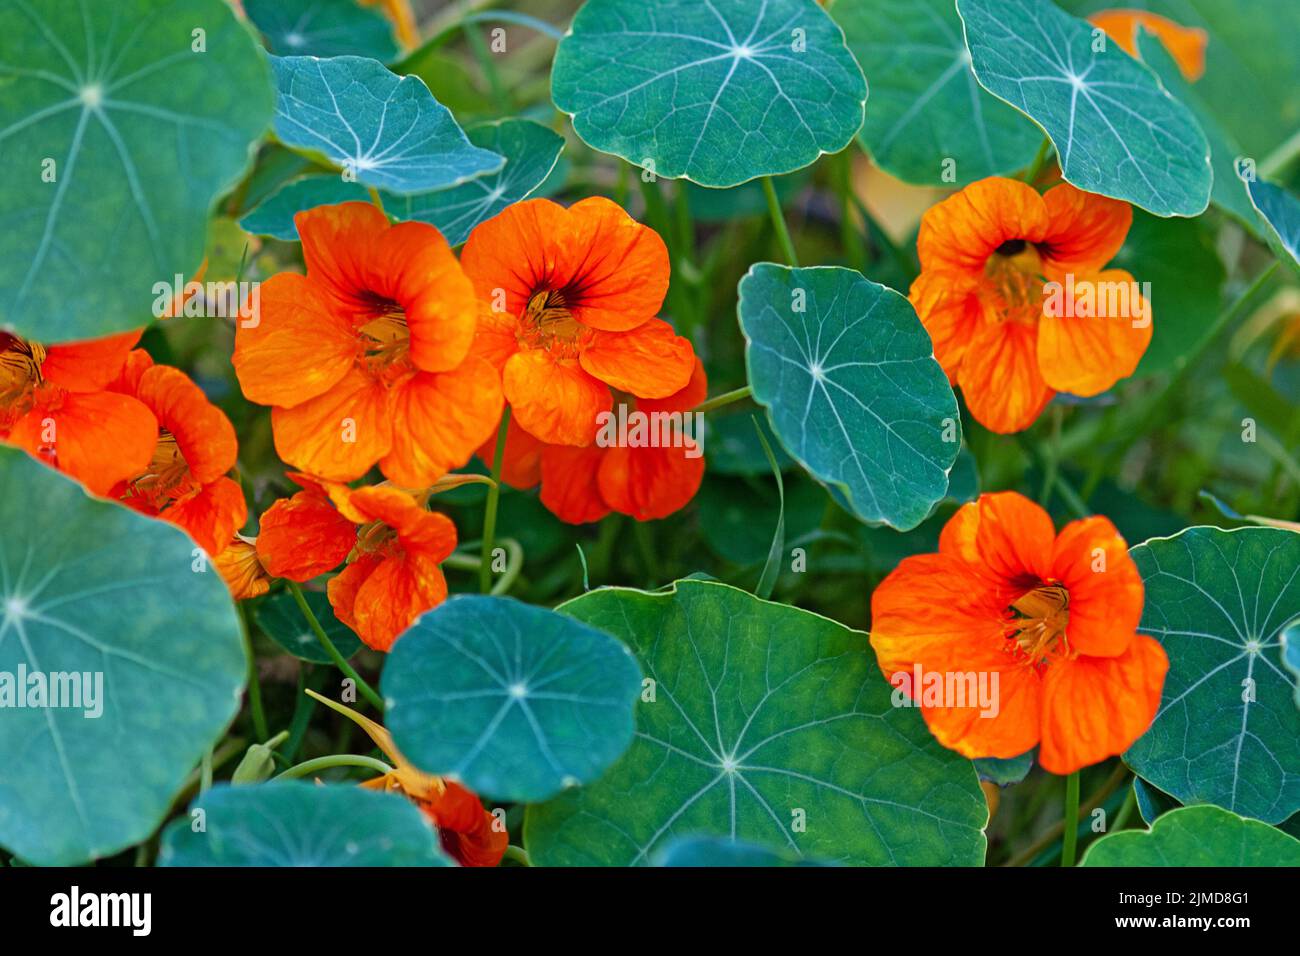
(570, 486)
(467, 831)
(692, 394)
(1095, 707)
(1092, 561)
(99, 438)
(90, 365)
(203, 433)
(1087, 354)
(1000, 378)
(651, 361)
(948, 305)
(1084, 230)
(649, 483)
(417, 528)
(1185, 44)
(213, 515)
(300, 347)
(240, 568)
(338, 245)
(495, 338)
(1014, 538)
(440, 419)
(304, 536)
(517, 253)
(554, 399)
(521, 463)
(343, 587)
(338, 435)
(961, 232)
(400, 589)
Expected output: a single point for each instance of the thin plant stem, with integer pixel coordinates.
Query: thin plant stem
(726, 398)
(254, 685)
(333, 760)
(1070, 835)
(1051, 457)
(490, 509)
(339, 660)
(1125, 811)
(1040, 161)
(778, 221)
(377, 200)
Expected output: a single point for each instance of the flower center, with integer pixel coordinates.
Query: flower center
(386, 337)
(548, 324)
(20, 368)
(373, 537)
(168, 474)
(1038, 622)
(1014, 286)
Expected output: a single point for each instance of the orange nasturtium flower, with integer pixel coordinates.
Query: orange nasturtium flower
(569, 303)
(241, 568)
(647, 482)
(1015, 296)
(393, 545)
(1185, 44)
(1053, 616)
(54, 403)
(186, 482)
(468, 832)
(402, 17)
(367, 358)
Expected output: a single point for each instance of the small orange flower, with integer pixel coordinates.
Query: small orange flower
(570, 298)
(367, 358)
(403, 19)
(584, 484)
(1054, 617)
(468, 832)
(241, 568)
(186, 481)
(1185, 44)
(393, 545)
(1014, 295)
(54, 404)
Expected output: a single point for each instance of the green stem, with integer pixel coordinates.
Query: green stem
(500, 98)
(778, 221)
(1125, 811)
(339, 660)
(726, 398)
(645, 544)
(205, 772)
(1051, 456)
(1070, 834)
(490, 514)
(1040, 161)
(518, 854)
(377, 200)
(334, 760)
(254, 686)
(302, 712)
(855, 248)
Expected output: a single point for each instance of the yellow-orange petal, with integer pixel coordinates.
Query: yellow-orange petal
(240, 568)
(90, 365)
(1185, 44)
(496, 337)
(1000, 378)
(338, 435)
(1095, 707)
(300, 347)
(98, 438)
(650, 361)
(440, 419)
(1092, 560)
(554, 398)
(961, 232)
(418, 529)
(1084, 230)
(202, 431)
(1087, 354)
(947, 303)
(570, 484)
(303, 536)
(212, 515)
(343, 587)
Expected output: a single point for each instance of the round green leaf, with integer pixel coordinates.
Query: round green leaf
(1227, 731)
(517, 701)
(715, 852)
(718, 92)
(295, 823)
(282, 621)
(1116, 130)
(1197, 836)
(90, 588)
(274, 217)
(848, 376)
(1007, 770)
(1280, 212)
(765, 724)
(122, 125)
(387, 131)
(322, 28)
(531, 151)
(930, 121)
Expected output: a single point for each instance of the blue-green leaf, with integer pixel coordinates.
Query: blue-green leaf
(765, 724)
(930, 121)
(88, 587)
(718, 92)
(517, 701)
(1197, 836)
(295, 823)
(716, 852)
(122, 124)
(322, 28)
(386, 131)
(1280, 212)
(282, 621)
(1116, 130)
(854, 393)
(1228, 731)
(274, 217)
